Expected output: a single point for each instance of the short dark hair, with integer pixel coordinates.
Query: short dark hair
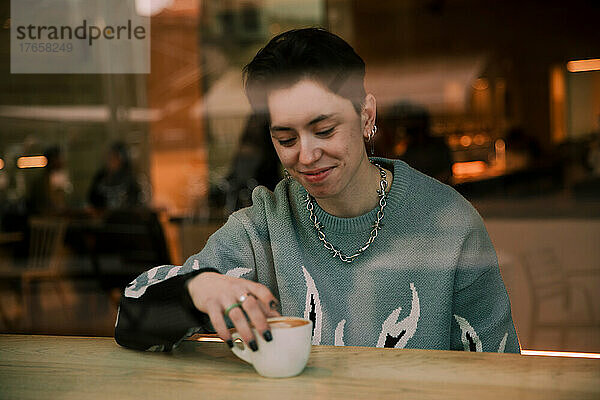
(119, 148)
(312, 53)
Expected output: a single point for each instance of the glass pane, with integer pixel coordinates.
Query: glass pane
(104, 176)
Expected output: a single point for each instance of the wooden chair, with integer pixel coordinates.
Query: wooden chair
(45, 261)
(548, 281)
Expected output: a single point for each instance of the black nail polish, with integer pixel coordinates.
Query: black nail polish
(273, 305)
(253, 345)
(229, 343)
(268, 336)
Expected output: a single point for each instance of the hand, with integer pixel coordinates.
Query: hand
(212, 293)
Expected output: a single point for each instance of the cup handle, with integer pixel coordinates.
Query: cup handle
(243, 354)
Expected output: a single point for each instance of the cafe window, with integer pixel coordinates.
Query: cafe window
(124, 172)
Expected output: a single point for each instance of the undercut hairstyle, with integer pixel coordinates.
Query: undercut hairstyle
(308, 53)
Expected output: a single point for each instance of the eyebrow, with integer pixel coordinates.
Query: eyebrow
(320, 118)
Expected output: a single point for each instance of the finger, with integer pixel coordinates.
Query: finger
(218, 322)
(257, 317)
(274, 314)
(238, 318)
(270, 304)
(270, 310)
(273, 309)
(265, 310)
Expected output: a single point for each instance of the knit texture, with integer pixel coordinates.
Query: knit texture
(430, 280)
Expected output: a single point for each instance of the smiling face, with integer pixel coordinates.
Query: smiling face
(319, 138)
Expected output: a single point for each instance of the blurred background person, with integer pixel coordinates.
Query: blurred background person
(255, 163)
(519, 143)
(115, 185)
(406, 128)
(593, 158)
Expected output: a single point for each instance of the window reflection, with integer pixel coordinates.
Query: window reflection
(105, 176)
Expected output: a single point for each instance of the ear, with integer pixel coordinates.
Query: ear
(368, 115)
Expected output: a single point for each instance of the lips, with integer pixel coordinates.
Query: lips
(317, 175)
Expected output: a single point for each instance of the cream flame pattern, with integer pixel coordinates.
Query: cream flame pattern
(404, 329)
(407, 327)
(312, 298)
(470, 338)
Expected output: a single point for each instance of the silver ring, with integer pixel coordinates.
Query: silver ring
(243, 297)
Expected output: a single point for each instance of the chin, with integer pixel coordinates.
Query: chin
(320, 192)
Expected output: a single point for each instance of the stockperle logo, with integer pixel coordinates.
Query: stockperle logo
(79, 36)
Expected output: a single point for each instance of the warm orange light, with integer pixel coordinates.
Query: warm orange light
(208, 339)
(479, 139)
(466, 140)
(481, 84)
(32, 162)
(453, 140)
(400, 148)
(558, 107)
(1, 163)
(468, 168)
(584, 65)
(559, 354)
(500, 145)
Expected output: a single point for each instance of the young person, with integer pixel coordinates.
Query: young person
(372, 251)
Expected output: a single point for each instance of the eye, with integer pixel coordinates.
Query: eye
(287, 142)
(325, 133)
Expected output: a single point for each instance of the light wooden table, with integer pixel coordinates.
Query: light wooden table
(50, 367)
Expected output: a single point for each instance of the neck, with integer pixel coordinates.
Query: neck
(360, 196)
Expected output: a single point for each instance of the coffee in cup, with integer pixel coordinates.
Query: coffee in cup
(284, 356)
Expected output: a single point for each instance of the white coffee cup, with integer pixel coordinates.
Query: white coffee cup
(284, 356)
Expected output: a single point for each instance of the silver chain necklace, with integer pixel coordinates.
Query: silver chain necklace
(375, 228)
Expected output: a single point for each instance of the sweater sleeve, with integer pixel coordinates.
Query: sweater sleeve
(156, 311)
(482, 319)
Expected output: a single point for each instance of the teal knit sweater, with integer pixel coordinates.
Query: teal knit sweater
(430, 280)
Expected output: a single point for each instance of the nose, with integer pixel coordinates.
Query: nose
(310, 151)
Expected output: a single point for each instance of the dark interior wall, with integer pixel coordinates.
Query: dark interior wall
(525, 38)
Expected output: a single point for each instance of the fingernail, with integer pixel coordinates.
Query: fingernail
(253, 345)
(229, 343)
(273, 305)
(267, 335)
